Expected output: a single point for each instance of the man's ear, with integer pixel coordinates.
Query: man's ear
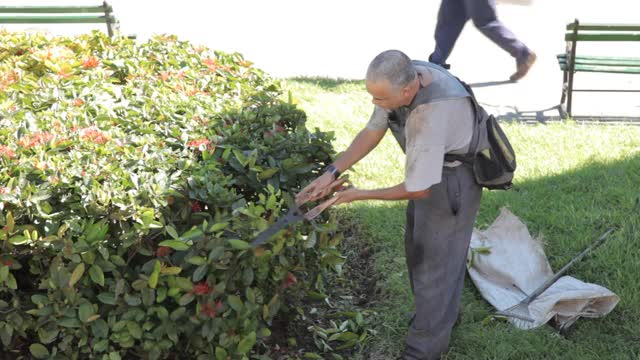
(407, 92)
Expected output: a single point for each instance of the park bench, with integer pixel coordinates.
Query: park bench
(570, 63)
(60, 15)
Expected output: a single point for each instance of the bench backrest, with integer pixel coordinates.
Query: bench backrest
(602, 32)
(51, 15)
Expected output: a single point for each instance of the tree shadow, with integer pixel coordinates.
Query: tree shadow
(567, 211)
(331, 83)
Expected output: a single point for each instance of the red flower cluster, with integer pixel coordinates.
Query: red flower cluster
(6, 262)
(94, 135)
(7, 152)
(198, 142)
(64, 73)
(211, 64)
(202, 288)
(290, 280)
(210, 310)
(163, 251)
(91, 62)
(35, 139)
(196, 206)
(8, 78)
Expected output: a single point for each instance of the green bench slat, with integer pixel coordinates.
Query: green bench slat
(601, 60)
(606, 27)
(590, 57)
(603, 69)
(52, 9)
(56, 19)
(621, 36)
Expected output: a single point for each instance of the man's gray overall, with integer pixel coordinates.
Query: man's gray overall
(437, 236)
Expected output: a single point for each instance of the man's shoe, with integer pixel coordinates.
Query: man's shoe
(445, 66)
(523, 68)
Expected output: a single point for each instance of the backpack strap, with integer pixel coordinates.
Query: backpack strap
(475, 137)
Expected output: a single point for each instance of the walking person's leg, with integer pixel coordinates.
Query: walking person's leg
(484, 16)
(451, 19)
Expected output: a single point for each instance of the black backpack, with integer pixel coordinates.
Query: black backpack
(490, 153)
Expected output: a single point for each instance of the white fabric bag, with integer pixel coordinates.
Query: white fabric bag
(515, 265)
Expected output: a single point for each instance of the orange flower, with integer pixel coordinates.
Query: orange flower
(78, 102)
(164, 75)
(91, 62)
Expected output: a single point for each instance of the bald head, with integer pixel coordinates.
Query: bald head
(393, 66)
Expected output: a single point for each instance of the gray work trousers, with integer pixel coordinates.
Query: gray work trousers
(452, 16)
(437, 239)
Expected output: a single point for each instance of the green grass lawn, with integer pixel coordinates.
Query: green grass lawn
(573, 182)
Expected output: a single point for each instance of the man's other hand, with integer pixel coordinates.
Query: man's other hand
(318, 188)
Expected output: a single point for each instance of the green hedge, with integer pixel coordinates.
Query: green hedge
(132, 177)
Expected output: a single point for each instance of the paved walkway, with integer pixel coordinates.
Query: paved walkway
(338, 38)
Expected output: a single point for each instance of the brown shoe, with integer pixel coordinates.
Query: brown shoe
(523, 68)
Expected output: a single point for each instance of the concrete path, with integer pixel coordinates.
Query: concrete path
(338, 38)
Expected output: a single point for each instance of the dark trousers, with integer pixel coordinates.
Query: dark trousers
(437, 239)
(454, 14)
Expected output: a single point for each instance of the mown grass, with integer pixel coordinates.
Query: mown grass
(573, 182)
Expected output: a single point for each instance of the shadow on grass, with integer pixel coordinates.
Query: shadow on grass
(326, 83)
(567, 211)
(556, 114)
(491, 83)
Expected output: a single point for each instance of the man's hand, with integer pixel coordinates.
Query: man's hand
(348, 195)
(343, 195)
(317, 189)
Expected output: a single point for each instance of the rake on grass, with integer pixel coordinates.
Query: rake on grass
(521, 309)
